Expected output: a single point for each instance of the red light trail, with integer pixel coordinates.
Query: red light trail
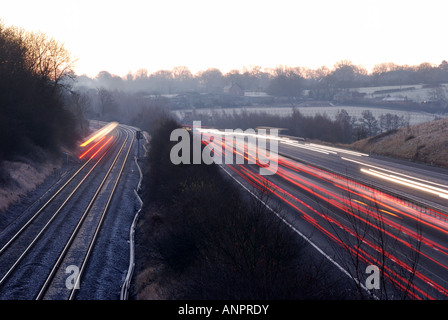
(82, 156)
(364, 205)
(100, 148)
(100, 133)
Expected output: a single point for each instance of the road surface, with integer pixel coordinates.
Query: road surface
(359, 211)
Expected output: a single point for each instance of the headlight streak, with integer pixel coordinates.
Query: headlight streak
(322, 149)
(82, 156)
(347, 206)
(395, 173)
(235, 133)
(100, 133)
(307, 147)
(359, 154)
(408, 183)
(380, 199)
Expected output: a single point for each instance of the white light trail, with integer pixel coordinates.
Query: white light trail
(412, 184)
(100, 133)
(340, 150)
(396, 173)
(304, 146)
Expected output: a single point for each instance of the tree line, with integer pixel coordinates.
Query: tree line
(321, 83)
(37, 115)
(342, 129)
(139, 110)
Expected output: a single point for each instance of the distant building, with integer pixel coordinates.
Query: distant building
(234, 90)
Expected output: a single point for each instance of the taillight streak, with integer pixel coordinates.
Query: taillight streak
(366, 258)
(341, 182)
(81, 156)
(93, 155)
(348, 205)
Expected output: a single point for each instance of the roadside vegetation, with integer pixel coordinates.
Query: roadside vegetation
(423, 143)
(200, 237)
(342, 129)
(35, 120)
(40, 116)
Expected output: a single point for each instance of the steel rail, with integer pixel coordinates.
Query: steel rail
(33, 242)
(97, 230)
(73, 235)
(38, 212)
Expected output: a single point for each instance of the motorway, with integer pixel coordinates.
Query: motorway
(71, 242)
(359, 210)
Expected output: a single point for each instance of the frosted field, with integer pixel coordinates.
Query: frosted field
(415, 93)
(330, 111)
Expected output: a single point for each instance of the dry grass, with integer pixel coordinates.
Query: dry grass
(22, 178)
(425, 143)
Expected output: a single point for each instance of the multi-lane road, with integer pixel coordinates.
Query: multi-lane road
(71, 243)
(359, 210)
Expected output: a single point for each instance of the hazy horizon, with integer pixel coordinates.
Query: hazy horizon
(123, 38)
(263, 69)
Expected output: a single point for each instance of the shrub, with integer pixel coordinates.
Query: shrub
(215, 243)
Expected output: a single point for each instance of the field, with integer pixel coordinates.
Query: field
(330, 111)
(416, 93)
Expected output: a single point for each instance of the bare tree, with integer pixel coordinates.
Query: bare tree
(368, 239)
(48, 58)
(369, 122)
(34, 74)
(390, 122)
(212, 79)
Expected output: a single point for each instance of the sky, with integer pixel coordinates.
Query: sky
(125, 36)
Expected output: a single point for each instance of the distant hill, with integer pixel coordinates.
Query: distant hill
(425, 143)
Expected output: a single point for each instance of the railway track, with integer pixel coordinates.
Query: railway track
(44, 253)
